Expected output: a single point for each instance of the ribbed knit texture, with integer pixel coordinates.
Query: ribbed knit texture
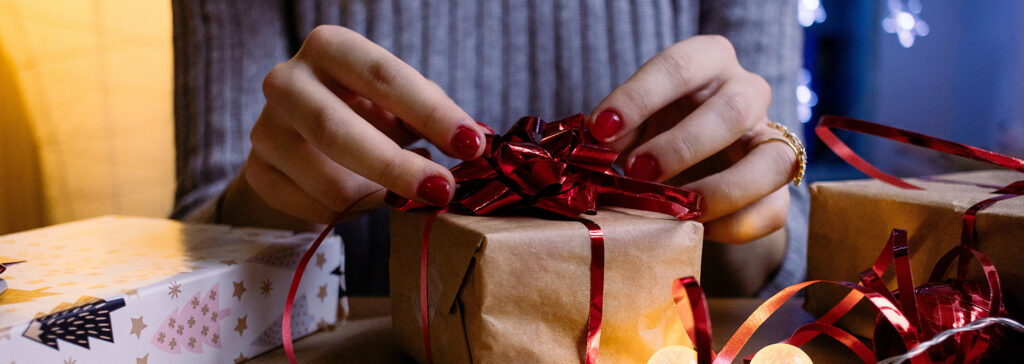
(499, 60)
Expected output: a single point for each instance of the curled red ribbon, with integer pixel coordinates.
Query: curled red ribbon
(554, 167)
(943, 304)
(912, 315)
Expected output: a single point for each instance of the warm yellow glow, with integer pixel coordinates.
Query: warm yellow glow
(780, 354)
(85, 110)
(675, 354)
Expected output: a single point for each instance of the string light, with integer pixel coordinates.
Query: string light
(942, 336)
(904, 20)
(805, 97)
(810, 12)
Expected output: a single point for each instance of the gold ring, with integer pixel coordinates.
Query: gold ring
(794, 143)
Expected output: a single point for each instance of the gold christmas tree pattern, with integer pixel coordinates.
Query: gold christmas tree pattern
(13, 295)
(193, 325)
(89, 318)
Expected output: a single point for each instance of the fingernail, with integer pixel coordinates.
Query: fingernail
(465, 142)
(489, 130)
(606, 124)
(434, 190)
(644, 168)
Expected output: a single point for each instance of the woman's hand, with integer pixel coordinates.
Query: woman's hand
(332, 131)
(693, 116)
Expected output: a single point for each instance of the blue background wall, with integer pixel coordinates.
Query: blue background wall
(964, 81)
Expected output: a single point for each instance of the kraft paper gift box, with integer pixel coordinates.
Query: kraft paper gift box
(516, 289)
(142, 290)
(850, 221)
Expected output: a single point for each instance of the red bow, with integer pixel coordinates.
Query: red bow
(555, 167)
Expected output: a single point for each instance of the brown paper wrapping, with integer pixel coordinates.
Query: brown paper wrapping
(516, 289)
(851, 220)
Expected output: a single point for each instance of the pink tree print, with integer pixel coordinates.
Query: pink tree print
(193, 325)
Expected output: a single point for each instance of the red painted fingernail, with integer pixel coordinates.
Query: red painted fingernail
(644, 168)
(489, 130)
(465, 142)
(606, 124)
(434, 190)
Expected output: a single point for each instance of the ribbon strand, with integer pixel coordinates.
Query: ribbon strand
(899, 309)
(289, 302)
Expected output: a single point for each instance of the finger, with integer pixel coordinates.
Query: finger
(383, 120)
(283, 194)
(679, 70)
(339, 133)
(714, 125)
(287, 151)
(752, 222)
(766, 168)
(372, 72)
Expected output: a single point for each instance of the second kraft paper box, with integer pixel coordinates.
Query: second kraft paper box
(851, 220)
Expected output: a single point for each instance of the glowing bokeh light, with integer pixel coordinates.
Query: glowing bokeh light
(905, 21)
(810, 12)
(780, 354)
(805, 97)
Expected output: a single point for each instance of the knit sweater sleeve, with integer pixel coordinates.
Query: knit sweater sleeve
(222, 50)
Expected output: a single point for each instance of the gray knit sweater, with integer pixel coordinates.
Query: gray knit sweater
(499, 60)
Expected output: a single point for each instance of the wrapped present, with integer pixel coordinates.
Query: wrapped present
(127, 289)
(535, 280)
(515, 289)
(850, 219)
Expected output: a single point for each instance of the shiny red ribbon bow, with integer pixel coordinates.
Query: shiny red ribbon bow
(556, 167)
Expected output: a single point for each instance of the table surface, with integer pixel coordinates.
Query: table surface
(366, 336)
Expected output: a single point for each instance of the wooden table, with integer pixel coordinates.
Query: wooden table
(366, 337)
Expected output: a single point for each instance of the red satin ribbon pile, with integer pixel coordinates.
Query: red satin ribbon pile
(537, 167)
(912, 315)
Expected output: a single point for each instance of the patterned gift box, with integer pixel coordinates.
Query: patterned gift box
(141, 290)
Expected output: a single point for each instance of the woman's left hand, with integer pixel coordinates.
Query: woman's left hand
(693, 114)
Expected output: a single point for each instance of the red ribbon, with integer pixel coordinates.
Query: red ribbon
(829, 122)
(888, 309)
(916, 314)
(289, 302)
(944, 304)
(558, 168)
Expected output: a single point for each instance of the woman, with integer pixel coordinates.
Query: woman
(684, 108)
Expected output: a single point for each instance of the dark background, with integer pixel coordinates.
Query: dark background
(963, 81)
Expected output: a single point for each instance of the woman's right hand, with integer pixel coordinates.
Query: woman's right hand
(332, 130)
